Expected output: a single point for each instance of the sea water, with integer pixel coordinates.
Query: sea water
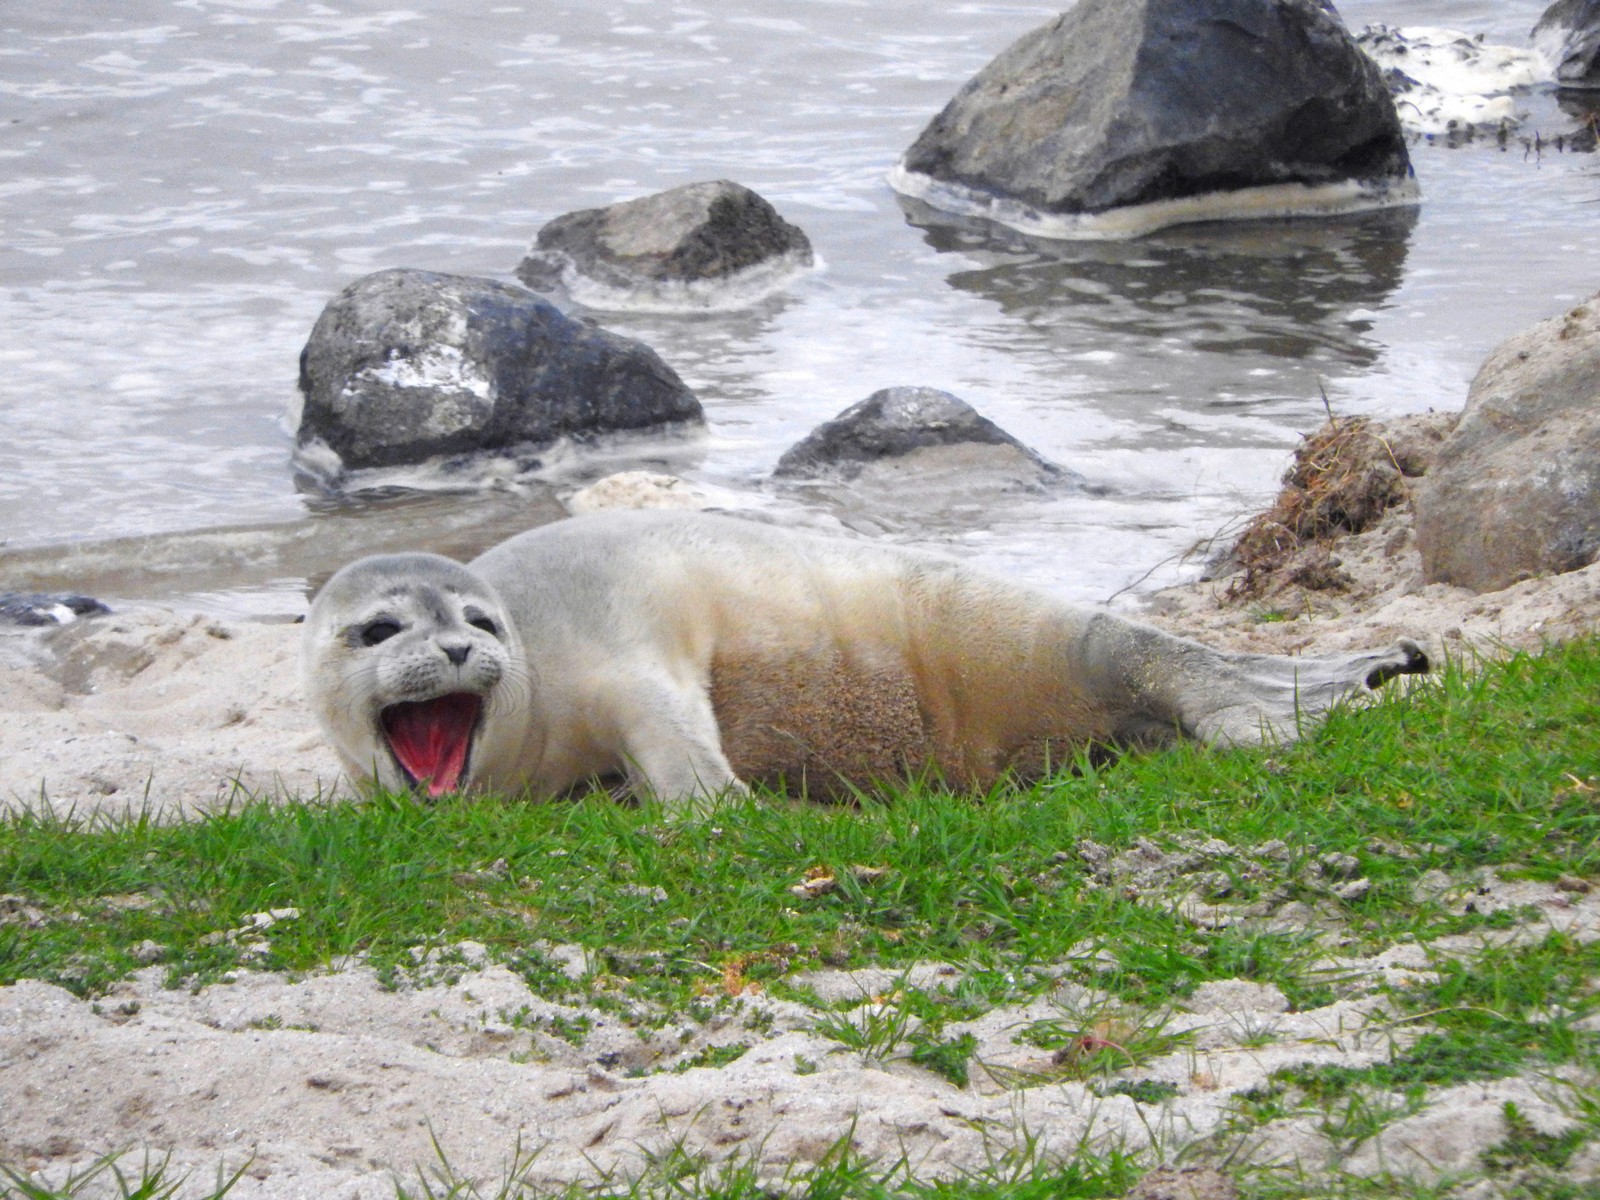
(184, 185)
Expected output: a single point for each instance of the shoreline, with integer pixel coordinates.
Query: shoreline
(155, 709)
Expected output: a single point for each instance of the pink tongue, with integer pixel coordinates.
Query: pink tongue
(431, 738)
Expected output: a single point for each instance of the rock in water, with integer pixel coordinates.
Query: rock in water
(1568, 34)
(1515, 491)
(403, 366)
(898, 424)
(699, 246)
(1122, 116)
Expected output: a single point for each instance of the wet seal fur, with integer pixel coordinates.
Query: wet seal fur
(696, 654)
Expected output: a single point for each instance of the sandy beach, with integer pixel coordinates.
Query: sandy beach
(332, 1086)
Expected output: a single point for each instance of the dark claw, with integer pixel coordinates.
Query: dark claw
(1416, 663)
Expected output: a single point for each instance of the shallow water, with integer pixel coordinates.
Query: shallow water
(184, 185)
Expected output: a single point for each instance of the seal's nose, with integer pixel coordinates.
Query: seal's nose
(457, 654)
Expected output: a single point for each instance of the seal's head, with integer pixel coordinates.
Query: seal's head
(408, 661)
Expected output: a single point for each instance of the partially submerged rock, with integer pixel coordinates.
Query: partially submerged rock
(699, 246)
(1516, 490)
(1122, 116)
(404, 366)
(904, 427)
(1568, 34)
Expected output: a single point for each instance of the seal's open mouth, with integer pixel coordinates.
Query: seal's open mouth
(431, 739)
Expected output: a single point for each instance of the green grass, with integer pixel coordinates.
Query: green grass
(841, 1174)
(153, 1180)
(1475, 769)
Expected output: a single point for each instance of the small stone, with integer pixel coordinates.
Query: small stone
(1571, 883)
(815, 886)
(16, 910)
(656, 895)
(1353, 889)
(1335, 865)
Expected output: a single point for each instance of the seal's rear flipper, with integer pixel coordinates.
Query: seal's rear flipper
(1413, 660)
(1249, 699)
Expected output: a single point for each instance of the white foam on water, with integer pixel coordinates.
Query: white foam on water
(1138, 220)
(237, 195)
(740, 290)
(567, 462)
(1455, 62)
(1462, 80)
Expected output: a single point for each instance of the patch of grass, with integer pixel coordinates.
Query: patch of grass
(1525, 1146)
(713, 1056)
(1436, 1060)
(841, 1173)
(687, 918)
(1359, 1114)
(875, 1031)
(572, 1030)
(1141, 1091)
(1101, 1040)
(1479, 768)
(153, 1181)
(945, 1056)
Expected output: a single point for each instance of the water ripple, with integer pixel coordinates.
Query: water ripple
(181, 195)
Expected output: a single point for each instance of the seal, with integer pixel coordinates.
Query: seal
(695, 654)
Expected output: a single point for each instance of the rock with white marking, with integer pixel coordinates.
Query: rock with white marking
(405, 366)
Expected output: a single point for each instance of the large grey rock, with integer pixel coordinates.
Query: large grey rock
(1135, 102)
(1515, 491)
(700, 245)
(1569, 35)
(904, 425)
(403, 366)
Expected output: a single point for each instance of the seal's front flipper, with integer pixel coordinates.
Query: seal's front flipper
(671, 748)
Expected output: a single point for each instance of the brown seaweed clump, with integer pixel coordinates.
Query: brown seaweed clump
(1345, 476)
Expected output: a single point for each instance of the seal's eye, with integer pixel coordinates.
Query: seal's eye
(378, 631)
(482, 622)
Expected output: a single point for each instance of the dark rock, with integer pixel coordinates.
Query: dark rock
(1569, 34)
(900, 423)
(688, 247)
(40, 608)
(1515, 491)
(1133, 102)
(403, 366)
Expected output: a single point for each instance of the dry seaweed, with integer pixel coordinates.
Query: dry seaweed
(1343, 479)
